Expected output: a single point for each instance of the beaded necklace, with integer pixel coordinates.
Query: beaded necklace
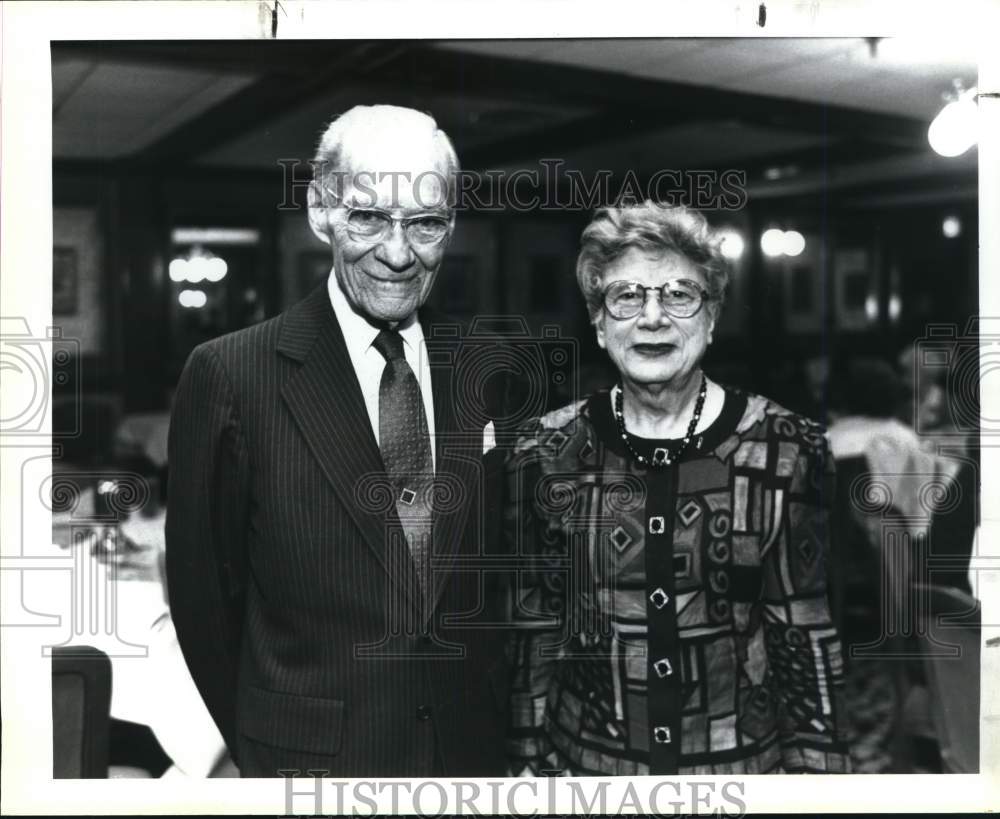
(661, 455)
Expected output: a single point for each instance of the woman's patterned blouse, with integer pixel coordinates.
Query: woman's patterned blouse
(673, 620)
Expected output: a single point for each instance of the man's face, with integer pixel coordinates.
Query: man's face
(388, 276)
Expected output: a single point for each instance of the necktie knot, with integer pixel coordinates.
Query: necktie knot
(390, 344)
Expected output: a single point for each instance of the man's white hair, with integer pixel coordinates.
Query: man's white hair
(368, 127)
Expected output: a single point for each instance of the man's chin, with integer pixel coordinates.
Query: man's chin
(391, 309)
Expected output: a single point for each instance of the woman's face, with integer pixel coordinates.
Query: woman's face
(655, 348)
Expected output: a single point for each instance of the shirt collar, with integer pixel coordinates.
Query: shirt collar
(359, 332)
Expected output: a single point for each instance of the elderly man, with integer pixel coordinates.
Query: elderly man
(321, 491)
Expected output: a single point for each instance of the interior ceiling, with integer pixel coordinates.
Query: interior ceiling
(902, 76)
(469, 122)
(636, 103)
(104, 109)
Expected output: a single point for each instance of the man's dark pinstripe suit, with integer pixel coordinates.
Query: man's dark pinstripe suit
(280, 571)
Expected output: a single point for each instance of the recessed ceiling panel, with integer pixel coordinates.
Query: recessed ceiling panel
(468, 121)
(104, 110)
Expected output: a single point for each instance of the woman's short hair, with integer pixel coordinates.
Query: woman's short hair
(654, 228)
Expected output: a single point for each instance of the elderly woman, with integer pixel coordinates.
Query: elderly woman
(671, 606)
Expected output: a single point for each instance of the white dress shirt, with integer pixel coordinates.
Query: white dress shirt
(368, 363)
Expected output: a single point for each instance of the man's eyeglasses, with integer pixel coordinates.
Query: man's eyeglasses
(680, 298)
(373, 225)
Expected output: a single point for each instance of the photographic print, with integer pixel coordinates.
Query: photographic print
(567, 411)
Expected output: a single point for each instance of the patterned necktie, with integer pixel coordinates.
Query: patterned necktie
(406, 450)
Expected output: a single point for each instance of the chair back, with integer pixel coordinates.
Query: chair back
(81, 712)
(953, 674)
(953, 531)
(852, 572)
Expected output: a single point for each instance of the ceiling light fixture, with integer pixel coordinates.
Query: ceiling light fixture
(956, 127)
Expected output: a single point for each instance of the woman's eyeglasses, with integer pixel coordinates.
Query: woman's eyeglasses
(373, 225)
(680, 298)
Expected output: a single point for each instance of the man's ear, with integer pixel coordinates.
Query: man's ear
(318, 213)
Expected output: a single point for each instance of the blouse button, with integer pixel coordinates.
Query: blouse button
(656, 525)
(661, 734)
(663, 667)
(659, 598)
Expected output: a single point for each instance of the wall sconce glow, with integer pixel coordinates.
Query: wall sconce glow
(956, 128)
(951, 227)
(192, 298)
(772, 242)
(794, 242)
(871, 308)
(198, 267)
(178, 270)
(776, 242)
(732, 245)
(895, 307)
(216, 269)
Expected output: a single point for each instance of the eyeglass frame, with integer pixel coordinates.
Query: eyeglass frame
(405, 221)
(704, 296)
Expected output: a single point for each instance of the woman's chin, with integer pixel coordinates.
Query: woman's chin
(650, 373)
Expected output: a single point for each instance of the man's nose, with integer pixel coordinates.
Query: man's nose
(394, 250)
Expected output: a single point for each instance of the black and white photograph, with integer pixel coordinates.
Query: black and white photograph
(450, 409)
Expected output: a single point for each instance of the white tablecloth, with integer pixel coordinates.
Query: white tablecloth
(151, 684)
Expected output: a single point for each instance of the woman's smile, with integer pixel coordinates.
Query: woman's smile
(653, 349)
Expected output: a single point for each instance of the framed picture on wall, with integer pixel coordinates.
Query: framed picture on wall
(803, 289)
(853, 294)
(65, 281)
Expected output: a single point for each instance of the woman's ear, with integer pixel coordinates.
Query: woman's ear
(599, 329)
(714, 313)
(319, 215)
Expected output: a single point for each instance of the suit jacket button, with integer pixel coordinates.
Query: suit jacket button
(424, 712)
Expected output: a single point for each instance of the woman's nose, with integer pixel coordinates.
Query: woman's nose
(652, 313)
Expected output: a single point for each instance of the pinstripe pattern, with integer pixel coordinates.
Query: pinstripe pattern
(294, 598)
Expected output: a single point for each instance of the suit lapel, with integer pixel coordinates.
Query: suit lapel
(325, 400)
(457, 451)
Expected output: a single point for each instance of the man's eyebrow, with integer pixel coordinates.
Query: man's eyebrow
(443, 213)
